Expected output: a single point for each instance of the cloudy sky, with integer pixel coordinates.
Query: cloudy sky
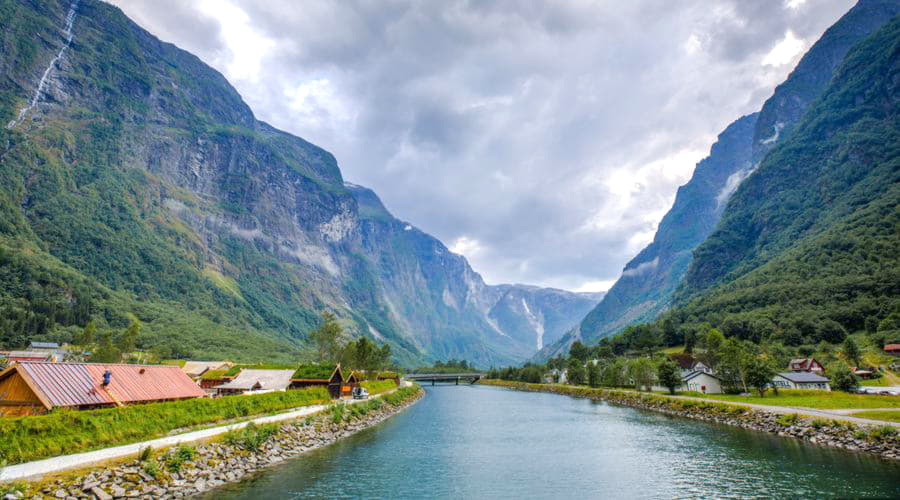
(542, 140)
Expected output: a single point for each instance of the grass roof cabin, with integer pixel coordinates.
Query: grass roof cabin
(319, 374)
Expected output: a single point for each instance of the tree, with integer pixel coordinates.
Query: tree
(851, 351)
(87, 335)
(127, 342)
(579, 351)
(759, 373)
(327, 338)
(640, 370)
(842, 379)
(593, 374)
(733, 361)
(668, 375)
(106, 351)
(575, 372)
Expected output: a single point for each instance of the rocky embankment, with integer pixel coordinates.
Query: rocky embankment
(186, 471)
(880, 440)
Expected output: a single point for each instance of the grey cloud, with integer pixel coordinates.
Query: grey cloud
(546, 131)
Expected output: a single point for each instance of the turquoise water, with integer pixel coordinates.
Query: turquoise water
(486, 442)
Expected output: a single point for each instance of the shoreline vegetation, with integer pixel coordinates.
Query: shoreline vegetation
(187, 470)
(881, 440)
(26, 439)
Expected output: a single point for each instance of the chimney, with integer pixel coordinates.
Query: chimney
(107, 376)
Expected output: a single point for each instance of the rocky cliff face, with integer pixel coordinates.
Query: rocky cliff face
(135, 174)
(650, 280)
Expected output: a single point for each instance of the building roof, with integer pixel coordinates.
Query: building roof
(697, 373)
(79, 384)
(802, 364)
(803, 377)
(197, 368)
(28, 354)
(892, 347)
(43, 345)
(684, 360)
(316, 371)
(266, 380)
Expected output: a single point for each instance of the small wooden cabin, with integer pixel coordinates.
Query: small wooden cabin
(34, 388)
(325, 375)
(196, 369)
(213, 378)
(394, 376)
(350, 381)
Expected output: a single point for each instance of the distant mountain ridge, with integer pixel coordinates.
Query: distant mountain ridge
(649, 282)
(137, 183)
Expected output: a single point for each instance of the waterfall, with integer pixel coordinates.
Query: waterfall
(70, 20)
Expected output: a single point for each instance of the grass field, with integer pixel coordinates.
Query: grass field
(887, 415)
(378, 386)
(822, 400)
(888, 379)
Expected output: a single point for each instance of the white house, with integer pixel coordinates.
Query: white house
(701, 381)
(800, 380)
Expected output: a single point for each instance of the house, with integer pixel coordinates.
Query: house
(805, 365)
(324, 375)
(350, 381)
(13, 357)
(214, 378)
(689, 364)
(701, 381)
(34, 388)
(43, 346)
(800, 380)
(256, 381)
(862, 372)
(196, 369)
(394, 376)
(892, 349)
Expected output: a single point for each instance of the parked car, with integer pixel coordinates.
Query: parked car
(360, 393)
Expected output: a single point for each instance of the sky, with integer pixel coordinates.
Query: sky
(544, 141)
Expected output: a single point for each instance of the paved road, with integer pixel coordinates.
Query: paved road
(812, 412)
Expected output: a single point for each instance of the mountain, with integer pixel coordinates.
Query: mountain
(811, 237)
(649, 281)
(136, 183)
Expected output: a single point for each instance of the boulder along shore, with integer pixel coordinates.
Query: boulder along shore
(185, 470)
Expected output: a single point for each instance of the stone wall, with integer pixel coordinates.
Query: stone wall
(880, 440)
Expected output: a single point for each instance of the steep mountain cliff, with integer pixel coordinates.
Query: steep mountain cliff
(649, 281)
(813, 233)
(137, 183)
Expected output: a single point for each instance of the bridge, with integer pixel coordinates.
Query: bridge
(471, 378)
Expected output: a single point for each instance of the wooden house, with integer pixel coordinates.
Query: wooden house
(801, 380)
(892, 349)
(350, 382)
(806, 365)
(256, 381)
(323, 375)
(394, 376)
(196, 369)
(213, 378)
(34, 388)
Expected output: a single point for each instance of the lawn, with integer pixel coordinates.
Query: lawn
(822, 400)
(888, 379)
(888, 415)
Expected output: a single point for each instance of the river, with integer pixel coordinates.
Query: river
(487, 442)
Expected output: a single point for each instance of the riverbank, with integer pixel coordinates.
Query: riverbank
(190, 470)
(881, 440)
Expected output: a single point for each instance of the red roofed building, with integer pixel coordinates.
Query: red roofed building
(893, 349)
(805, 365)
(35, 388)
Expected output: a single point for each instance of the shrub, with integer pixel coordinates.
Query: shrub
(182, 454)
(787, 420)
(251, 437)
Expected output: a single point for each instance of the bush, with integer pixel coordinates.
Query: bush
(251, 437)
(787, 420)
(842, 379)
(182, 454)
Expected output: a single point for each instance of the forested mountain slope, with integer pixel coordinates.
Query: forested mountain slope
(814, 233)
(649, 281)
(135, 182)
